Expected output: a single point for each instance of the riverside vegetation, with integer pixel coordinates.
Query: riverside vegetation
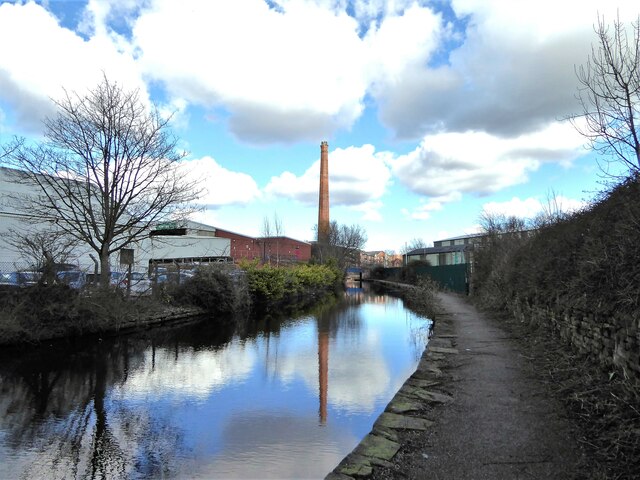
(224, 295)
(585, 266)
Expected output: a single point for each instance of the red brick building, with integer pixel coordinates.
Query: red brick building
(276, 250)
(270, 249)
(241, 246)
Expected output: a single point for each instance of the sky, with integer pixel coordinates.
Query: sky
(435, 111)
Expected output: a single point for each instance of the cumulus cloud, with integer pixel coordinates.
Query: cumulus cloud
(480, 163)
(283, 71)
(358, 177)
(513, 73)
(45, 57)
(428, 205)
(531, 207)
(219, 185)
(300, 64)
(370, 211)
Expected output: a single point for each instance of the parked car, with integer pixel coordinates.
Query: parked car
(140, 283)
(74, 278)
(20, 279)
(118, 279)
(9, 279)
(174, 277)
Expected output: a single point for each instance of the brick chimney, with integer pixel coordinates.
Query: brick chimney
(323, 203)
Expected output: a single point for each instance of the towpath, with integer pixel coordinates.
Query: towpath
(474, 409)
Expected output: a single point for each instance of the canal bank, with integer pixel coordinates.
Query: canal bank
(474, 408)
(287, 398)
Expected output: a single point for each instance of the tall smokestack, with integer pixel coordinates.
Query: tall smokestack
(323, 204)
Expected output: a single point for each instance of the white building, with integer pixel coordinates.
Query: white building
(194, 243)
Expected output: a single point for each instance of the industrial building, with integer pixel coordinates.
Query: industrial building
(449, 251)
(179, 242)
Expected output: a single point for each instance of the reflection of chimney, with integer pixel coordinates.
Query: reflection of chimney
(323, 203)
(323, 373)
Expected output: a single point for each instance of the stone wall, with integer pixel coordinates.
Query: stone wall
(613, 338)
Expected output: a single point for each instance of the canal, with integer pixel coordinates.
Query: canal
(288, 398)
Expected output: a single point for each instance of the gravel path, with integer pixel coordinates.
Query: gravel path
(492, 418)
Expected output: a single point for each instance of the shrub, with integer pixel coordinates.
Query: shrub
(41, 312)
(589, 259)
(270, 286)
(210, 288)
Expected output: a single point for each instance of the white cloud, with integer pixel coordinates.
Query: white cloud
(302, 69)
(298, 71)
(428, 205)
(220, 185)
(370, 211)
(513, 73)
(302, 65)
(527, 208)
(44, 57)
(480, 163)
(358, 177)
(530, 207)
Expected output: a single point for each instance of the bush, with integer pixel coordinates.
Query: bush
(270, 286)
(589, 260)
(212, 289)
(41, 312)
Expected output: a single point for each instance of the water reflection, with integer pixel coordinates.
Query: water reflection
(287, 399)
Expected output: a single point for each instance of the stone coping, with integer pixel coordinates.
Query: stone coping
(409, 409)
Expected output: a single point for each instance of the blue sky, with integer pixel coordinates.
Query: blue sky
(434, 111)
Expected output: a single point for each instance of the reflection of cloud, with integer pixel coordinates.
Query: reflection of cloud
(358, 373)
(357, 381)
(263, 444)
(193, 374)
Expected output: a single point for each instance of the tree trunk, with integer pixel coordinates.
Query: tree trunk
(105, 271)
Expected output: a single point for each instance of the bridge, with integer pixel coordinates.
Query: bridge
(355, 273)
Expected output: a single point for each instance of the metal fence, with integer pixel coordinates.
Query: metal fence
(451, 277)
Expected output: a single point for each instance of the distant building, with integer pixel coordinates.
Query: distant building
(168, 242)
(185, 242)
(372, 258)
(242, 247)
(172, 242)
(449, 251)
(380, 258)
(283, 250)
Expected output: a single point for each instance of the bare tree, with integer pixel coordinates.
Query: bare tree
(43, 250)
(414, 244)
(344, 244)
(7, 149)
(269, 231)
(553, 212)
(499, 224)
(266, 227)
(609, 94)
(106, 171)
(278, 230)
(266, 235)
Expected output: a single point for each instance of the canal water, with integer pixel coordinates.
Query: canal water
(287, 399)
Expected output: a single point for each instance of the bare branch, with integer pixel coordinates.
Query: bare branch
(609, 95)
(106, 171)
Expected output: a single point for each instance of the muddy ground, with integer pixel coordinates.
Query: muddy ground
(496, 399)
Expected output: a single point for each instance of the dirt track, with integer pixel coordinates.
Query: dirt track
(492, 419)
